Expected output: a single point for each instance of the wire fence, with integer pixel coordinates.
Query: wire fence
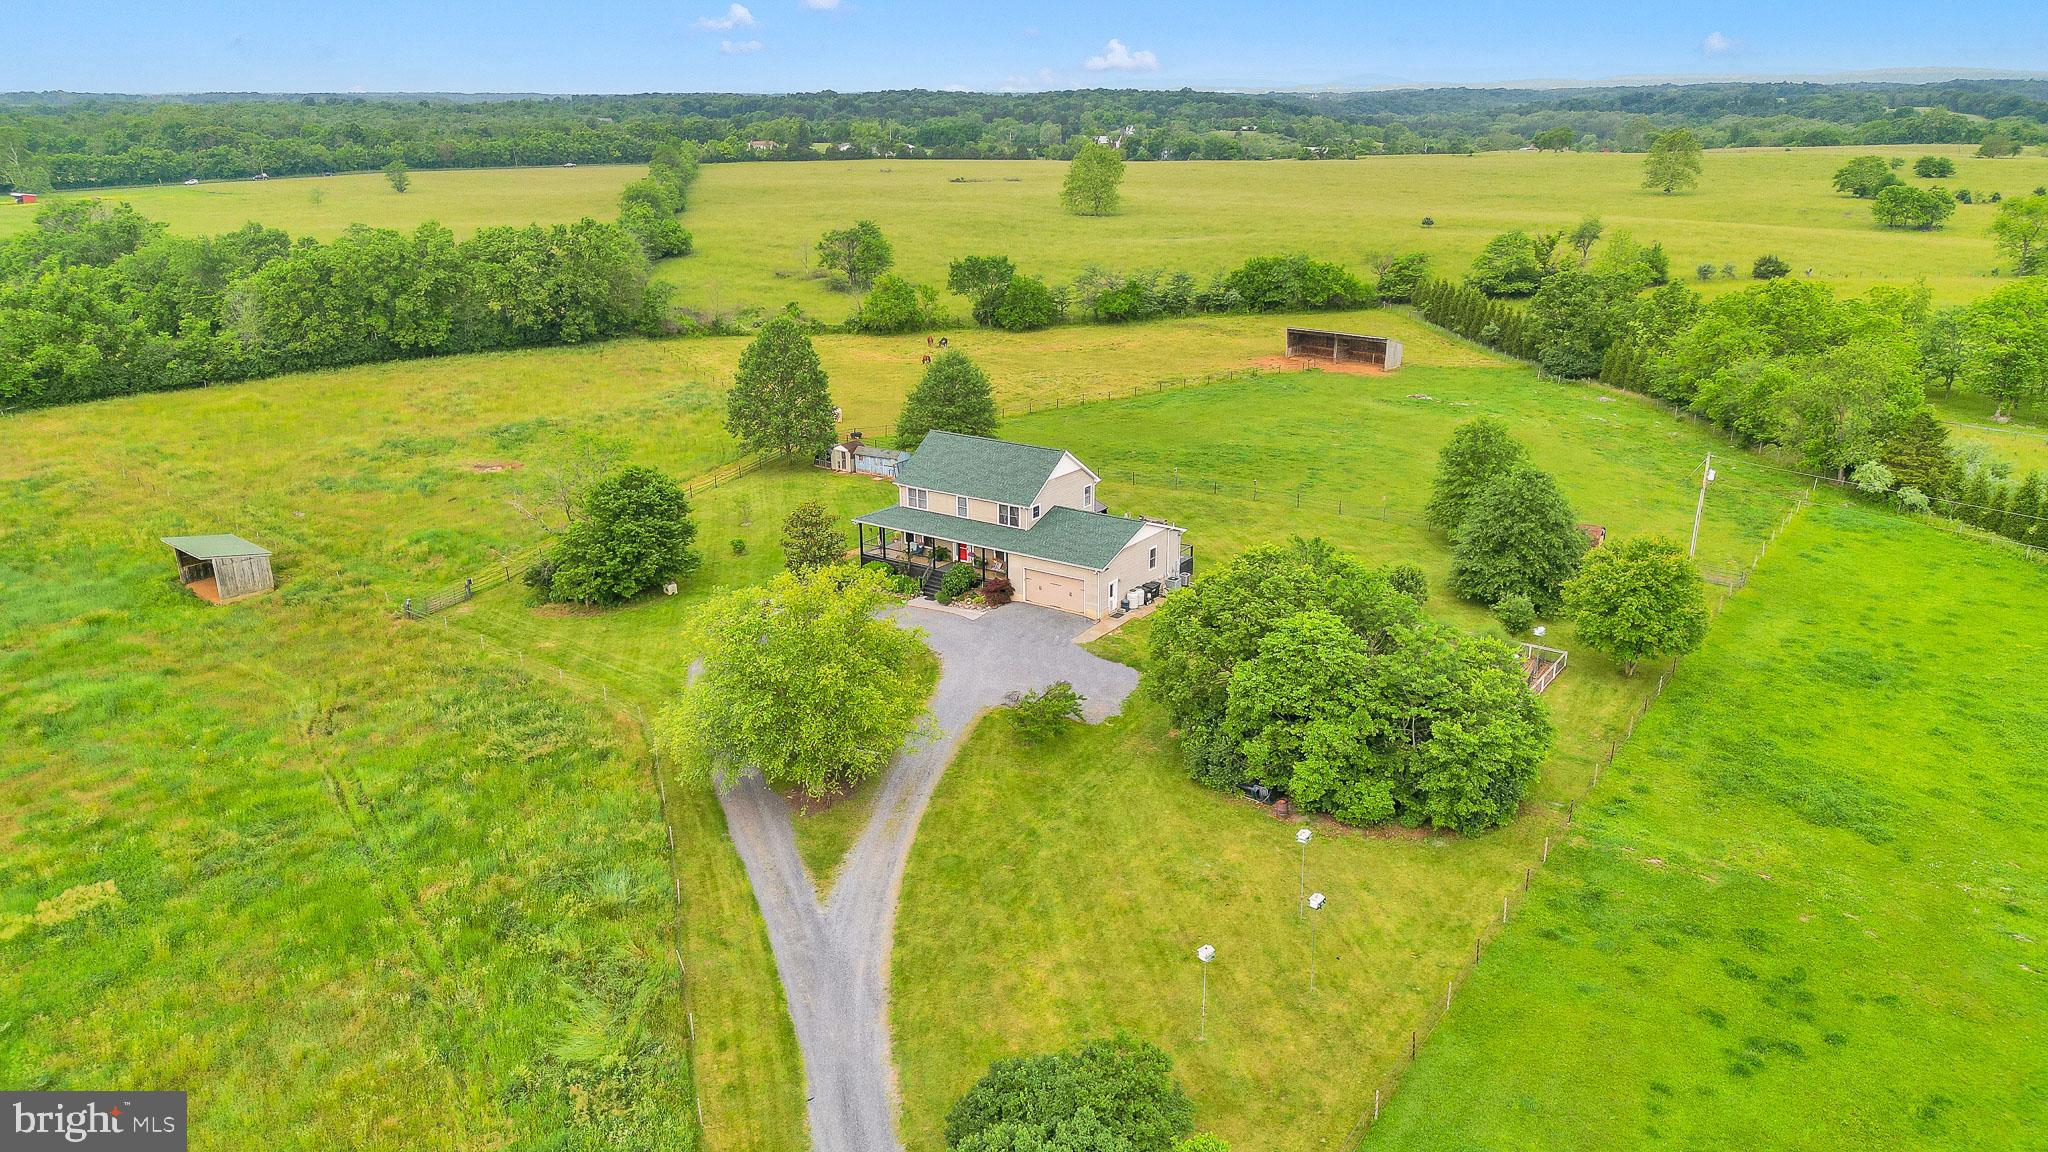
(1517, 896)
(509, 565)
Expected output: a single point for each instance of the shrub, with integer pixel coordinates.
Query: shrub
(1409, 580)
(1934, 167)
(1769, 268)
(1515, 613)
(1705, 271)
(897, 305)
(1025, 305)
(1402, 275)
(1121, 1089)
(997, 591)
(1872, 478)
(957, 581)
(1296, 283)
(739, 546)
(1041, 715)
(634, 532)
(1428, 222)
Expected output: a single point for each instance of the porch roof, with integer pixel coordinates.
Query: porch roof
(1063, 535)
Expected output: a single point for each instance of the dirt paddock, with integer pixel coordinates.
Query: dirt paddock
(1316, 364)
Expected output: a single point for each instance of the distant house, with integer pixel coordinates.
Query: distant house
(1024, 512)
(23, 197)
(763, 146)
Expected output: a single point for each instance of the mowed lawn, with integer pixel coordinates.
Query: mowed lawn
(323, 206)
(1063, 890)
(1804, 909)
(757, 225)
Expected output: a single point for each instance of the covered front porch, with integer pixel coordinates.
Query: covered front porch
(925, 557)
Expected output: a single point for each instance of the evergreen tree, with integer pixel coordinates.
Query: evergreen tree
(779, 401)
(1918, 455)
(2023, 509)
(953, 396)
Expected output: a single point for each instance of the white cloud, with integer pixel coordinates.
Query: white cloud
(1717, 44)
(740, 48)
(1116, 57)
(736, 16)
(821, 5)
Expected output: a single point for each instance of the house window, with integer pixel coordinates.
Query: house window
(960, 507)
(917, 498)
(1008, 515)
(1152, 557)
(1088, 497)
(1034, 512)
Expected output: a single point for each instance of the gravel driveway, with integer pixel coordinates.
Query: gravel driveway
(834, 958)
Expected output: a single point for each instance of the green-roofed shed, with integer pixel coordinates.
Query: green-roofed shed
(221, 567)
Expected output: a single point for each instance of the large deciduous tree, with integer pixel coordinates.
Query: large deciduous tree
(1638, 599)
(1479, 452)
(2005, 345)
(860, 253)
(1509, 265)
(952, 396)
(1673, 164)
(779, 400)
(2020, 230)
(1864, 177)
(1518, 536)
(1917, 209)
(1093, 179)
(634, 532)
(802, 681)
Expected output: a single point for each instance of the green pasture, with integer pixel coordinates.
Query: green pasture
(1065, 888)
(1803, 909)
(756, 225)
(463, 199)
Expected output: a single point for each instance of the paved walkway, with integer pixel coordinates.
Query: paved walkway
(834, 958)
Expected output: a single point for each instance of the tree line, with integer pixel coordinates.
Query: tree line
(70, 141)
(98, 301)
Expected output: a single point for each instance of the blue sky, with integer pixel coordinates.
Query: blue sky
(849, 45)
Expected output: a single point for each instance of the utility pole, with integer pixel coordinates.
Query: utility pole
(1699, 509)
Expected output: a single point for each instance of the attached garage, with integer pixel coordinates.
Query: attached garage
(1067, 593)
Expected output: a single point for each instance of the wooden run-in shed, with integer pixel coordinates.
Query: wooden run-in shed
(1344, 348)
(221, 568)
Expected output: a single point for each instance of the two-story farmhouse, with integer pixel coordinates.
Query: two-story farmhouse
(1028, 513)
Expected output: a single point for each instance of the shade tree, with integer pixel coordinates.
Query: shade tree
(779, 400)
(953, 395)
(1636, 600)
(1519, 536)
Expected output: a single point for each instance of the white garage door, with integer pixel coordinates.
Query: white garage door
(1062, 592)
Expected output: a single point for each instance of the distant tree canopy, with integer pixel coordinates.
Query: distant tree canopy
(952, 396)
(1093, 179)
(398, 175)
(1509, 265)
(1673, 164)
(1934, 167)
(2020, 230)
(894, 304)
(71, 141)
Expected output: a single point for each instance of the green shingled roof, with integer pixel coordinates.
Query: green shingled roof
(979, 467)
(1063, 535)
(214, 547)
